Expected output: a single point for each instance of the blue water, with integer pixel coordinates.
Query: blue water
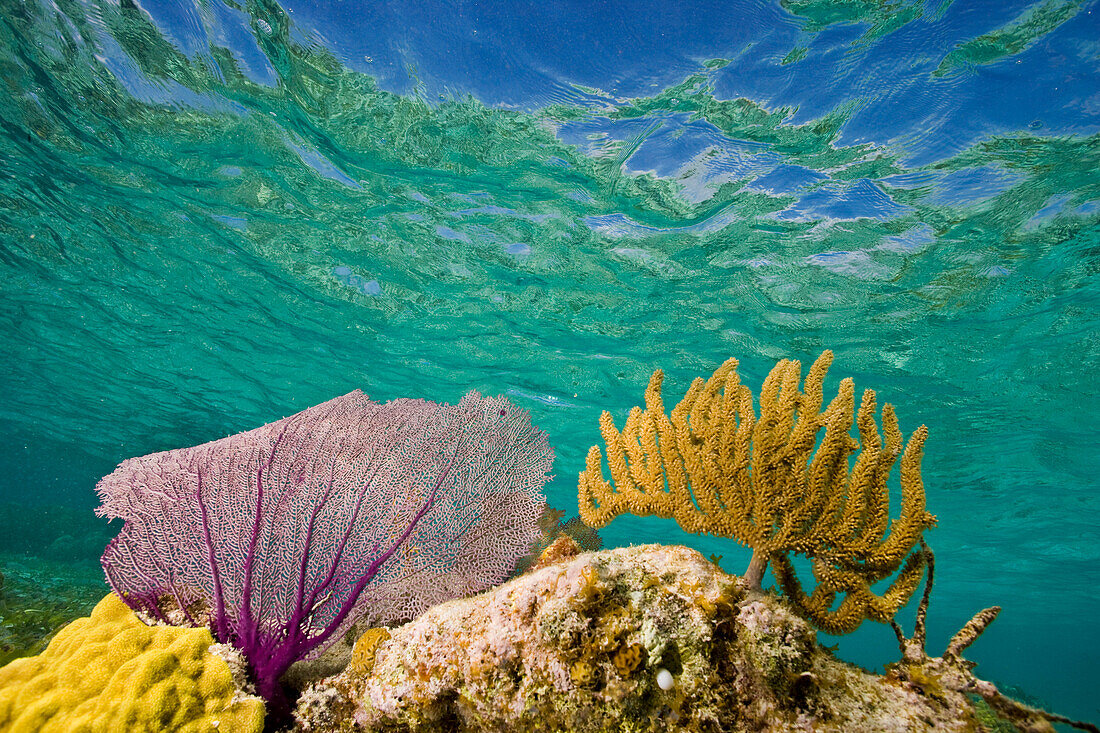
(216, 214)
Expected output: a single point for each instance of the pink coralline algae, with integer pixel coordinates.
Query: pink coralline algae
(282, 537)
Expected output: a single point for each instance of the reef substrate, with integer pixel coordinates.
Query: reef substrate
(646, 638)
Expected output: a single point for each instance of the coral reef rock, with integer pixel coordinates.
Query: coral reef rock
(647, 638)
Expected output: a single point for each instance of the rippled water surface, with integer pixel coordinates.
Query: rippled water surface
(214, 215)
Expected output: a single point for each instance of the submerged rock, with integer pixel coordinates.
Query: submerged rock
(647, 638)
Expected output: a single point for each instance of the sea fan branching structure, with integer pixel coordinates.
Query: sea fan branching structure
(282, 537)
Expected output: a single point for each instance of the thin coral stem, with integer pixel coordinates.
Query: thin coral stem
(919, 627)
(758, 565)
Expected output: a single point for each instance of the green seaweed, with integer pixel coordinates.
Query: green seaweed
(38, 597)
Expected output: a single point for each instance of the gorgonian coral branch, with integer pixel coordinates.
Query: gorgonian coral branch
(718, 467)
(282, 537)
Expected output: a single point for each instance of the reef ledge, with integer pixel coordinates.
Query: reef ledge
(644, 638)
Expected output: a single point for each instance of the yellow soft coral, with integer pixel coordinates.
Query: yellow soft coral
(111, 672)
(717, 467)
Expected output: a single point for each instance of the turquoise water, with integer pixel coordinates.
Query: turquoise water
(215, 216)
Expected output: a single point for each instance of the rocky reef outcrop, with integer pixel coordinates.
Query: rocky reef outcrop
(646, 638)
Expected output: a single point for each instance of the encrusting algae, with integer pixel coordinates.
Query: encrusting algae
(646, 638)
(716, 467)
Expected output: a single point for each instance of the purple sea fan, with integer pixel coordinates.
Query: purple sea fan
(281, 537)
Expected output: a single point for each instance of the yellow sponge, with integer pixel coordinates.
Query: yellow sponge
(111, 672)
